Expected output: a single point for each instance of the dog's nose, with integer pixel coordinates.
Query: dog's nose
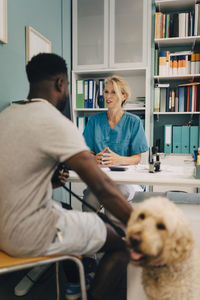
(135, 240)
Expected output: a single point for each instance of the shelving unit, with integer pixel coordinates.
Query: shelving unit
(177, 44)
(115, 48)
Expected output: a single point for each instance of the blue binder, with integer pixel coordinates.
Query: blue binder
(101, 93)
(85, 93)
(181, 98)
(167, 138)
(90, 93)
(176, 139)
(185, 137)
(194, 138)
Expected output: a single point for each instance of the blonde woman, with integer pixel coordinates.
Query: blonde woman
(115, 137)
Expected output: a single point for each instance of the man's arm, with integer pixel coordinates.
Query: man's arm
(100, 184)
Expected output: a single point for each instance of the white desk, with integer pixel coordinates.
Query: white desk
(169, 175)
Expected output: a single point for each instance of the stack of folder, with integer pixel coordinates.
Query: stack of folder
(90, 93)
(181, 139)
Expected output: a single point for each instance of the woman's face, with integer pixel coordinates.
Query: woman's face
(111, 98)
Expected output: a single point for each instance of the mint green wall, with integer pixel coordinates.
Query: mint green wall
(52, 18)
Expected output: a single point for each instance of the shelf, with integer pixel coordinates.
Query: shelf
(173, 5)
(177, 77)
(108, 72)
(103, 109)
(178, 41)
(90, 109)
(176, 113)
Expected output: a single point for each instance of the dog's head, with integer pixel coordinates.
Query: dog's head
(158, 233)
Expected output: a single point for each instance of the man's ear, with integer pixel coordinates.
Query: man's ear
(59, 83)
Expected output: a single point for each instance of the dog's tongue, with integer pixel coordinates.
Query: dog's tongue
(135, 255)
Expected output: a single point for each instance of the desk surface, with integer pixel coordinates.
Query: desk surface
(169, 175)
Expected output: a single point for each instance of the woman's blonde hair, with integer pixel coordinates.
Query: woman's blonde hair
(120, 87)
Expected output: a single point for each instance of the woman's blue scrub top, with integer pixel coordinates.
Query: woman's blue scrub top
(126, 138)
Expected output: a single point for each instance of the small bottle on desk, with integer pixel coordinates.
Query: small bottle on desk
(198, 164)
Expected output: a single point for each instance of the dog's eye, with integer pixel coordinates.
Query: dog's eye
(141, 216)
(161, 226)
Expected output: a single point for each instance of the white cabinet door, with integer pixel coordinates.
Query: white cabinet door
(90, 34)
(128, 33)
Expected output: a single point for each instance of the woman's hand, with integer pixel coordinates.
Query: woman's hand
(99, 158)
(110, 158)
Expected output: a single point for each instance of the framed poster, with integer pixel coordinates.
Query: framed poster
(3, 21)
(35, 43)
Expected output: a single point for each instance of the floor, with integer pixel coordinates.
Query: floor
(44, 289)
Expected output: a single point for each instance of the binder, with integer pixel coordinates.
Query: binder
(194, 138)
(85, 93)
(101, 93)
(185, 139)
(90, 93)
(79, 94)
(176, 137)
(167, 138)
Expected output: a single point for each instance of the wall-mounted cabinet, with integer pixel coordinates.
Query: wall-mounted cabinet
(109, 34)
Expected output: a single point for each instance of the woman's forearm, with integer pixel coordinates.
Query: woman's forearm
(130, 160)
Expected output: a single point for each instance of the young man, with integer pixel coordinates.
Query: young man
(35, 137)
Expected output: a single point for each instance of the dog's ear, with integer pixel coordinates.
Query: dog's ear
(181, 243)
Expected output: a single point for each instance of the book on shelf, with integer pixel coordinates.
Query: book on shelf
(182, 98)
(183, 24)
(197, 19)
(156, 57)
(163, 92)
(156, 99)
(191, 96)
(176, 100)
(177, 63)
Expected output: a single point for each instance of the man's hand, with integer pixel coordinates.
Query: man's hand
(59, 177)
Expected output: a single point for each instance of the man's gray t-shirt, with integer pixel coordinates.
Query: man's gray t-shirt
(34, 138)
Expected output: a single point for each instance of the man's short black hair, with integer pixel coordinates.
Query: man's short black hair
(44, 66)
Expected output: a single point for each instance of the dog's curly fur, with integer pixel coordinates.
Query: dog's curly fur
(162, 243)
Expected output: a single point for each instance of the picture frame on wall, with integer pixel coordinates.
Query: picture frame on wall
(3, 22)
(36, 43)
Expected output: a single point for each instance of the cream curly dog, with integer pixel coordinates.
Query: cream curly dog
(162, 244)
